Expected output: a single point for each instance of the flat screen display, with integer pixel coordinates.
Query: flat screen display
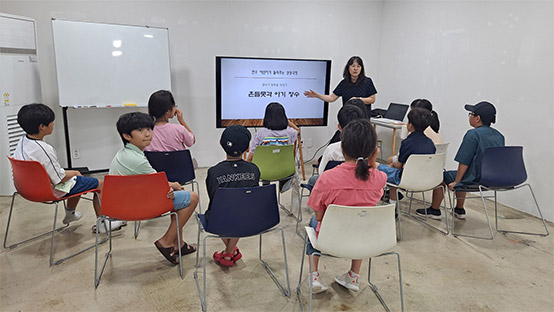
(245, 85)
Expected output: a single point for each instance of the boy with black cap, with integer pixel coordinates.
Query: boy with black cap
(232, 172)
(469, 156)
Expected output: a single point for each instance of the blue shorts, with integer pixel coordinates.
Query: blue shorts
(181, 200)
(83, 184)
(309, 248)
(393, 174)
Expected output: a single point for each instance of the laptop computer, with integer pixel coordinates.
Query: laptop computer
(396, 111)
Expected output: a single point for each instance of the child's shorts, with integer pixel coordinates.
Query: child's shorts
(83, 184)
(181, 200)
(393, 174)
(450, 176)
(309, 248)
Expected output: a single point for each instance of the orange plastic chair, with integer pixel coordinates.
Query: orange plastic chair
(133, 198)
(32, 183)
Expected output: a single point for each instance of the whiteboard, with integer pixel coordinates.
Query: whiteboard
(109, 65)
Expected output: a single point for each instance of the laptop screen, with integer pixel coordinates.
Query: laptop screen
(396, 111)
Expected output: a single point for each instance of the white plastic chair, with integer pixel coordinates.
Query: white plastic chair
(441, 148)
(370, 234)
(422, 173)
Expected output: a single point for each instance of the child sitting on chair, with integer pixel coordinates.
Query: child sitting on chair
(356, 182)
(37, 120)
(167, 137)
(416, 143)
(232, 172)
(469, 156)
(135, 130)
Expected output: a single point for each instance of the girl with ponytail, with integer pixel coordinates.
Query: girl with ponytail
(356, 182)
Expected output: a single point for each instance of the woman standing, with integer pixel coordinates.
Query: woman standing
(354, 85)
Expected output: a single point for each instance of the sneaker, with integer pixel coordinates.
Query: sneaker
(71, 216)
(348, 281)
(317, 286)
(430, 213)
(112, 226)
(460, 213)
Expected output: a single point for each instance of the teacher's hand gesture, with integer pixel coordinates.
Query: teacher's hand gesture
(311, 94)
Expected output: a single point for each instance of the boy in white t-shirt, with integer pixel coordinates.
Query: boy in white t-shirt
(37, 120)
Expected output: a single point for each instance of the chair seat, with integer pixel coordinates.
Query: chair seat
(309, 187)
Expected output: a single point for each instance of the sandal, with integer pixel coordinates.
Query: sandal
(185, 250)
(236, 254)
(166, 252)
(219, 258)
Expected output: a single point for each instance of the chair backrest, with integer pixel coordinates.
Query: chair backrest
(422, 172)
(357, 232)
(274, 161)
(31, 180)
(332, 164)
(441, 148)
(135, 197)
(245, 211)
(503, 167)
(177, 165)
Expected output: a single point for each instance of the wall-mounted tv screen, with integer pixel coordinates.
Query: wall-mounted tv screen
(245, 85)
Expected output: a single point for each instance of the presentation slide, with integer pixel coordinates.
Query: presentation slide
(245, 86)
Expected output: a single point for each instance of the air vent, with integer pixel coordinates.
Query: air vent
(14, 132)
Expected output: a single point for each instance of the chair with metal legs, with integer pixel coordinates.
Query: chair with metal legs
(276, 163)
(240, 213)
(133, 198)
(32, 183)
(178, 167)
(502, 170)
(370, 234)
(422, 173)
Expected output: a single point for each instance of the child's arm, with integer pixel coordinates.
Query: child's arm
(183, 123)
(319, 215)
(459, 175)
(292, 125)
(176, 186)
(70, 174)
(397, 165)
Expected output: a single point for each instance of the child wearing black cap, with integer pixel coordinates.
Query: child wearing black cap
(232, 172)
(469, 156)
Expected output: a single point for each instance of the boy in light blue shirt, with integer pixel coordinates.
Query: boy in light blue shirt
(469, 157)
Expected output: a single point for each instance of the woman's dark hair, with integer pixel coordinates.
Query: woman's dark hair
(275, 117)
(346, 72)
(423, 103)
(31, 116)
(360, 104)
(358, 140)
(160, 102)
(133, 121)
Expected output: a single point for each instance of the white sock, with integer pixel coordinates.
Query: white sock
(392, 201)
(69, 212)
(353, 274)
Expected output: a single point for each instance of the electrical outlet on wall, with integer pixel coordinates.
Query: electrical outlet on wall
(76, 153)
(309, 143)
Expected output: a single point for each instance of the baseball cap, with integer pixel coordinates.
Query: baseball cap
(485, 110)
(235, 140)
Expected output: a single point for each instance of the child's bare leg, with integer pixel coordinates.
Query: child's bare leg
(97, 197)
(230, 244)
(438, 196)
(392, 193)
(72, 202)
(316, 263)
(356, 265)
(460, 199)
(170, 236)
(389, 160)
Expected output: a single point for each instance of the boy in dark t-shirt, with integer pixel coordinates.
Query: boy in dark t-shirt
(232, 172)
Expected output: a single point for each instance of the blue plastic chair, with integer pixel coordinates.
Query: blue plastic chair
(502, 169)
(305, 186)
(178, 167)
(240, 212)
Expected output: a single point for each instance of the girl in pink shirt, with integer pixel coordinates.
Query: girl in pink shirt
(356, 182)
(166, 136)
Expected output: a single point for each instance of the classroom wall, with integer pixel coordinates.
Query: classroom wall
(200, 30)
(462, 52)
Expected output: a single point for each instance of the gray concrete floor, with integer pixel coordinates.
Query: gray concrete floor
(440, 273)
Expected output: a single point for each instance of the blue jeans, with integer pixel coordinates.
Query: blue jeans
(309, 248)
(181, 200)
